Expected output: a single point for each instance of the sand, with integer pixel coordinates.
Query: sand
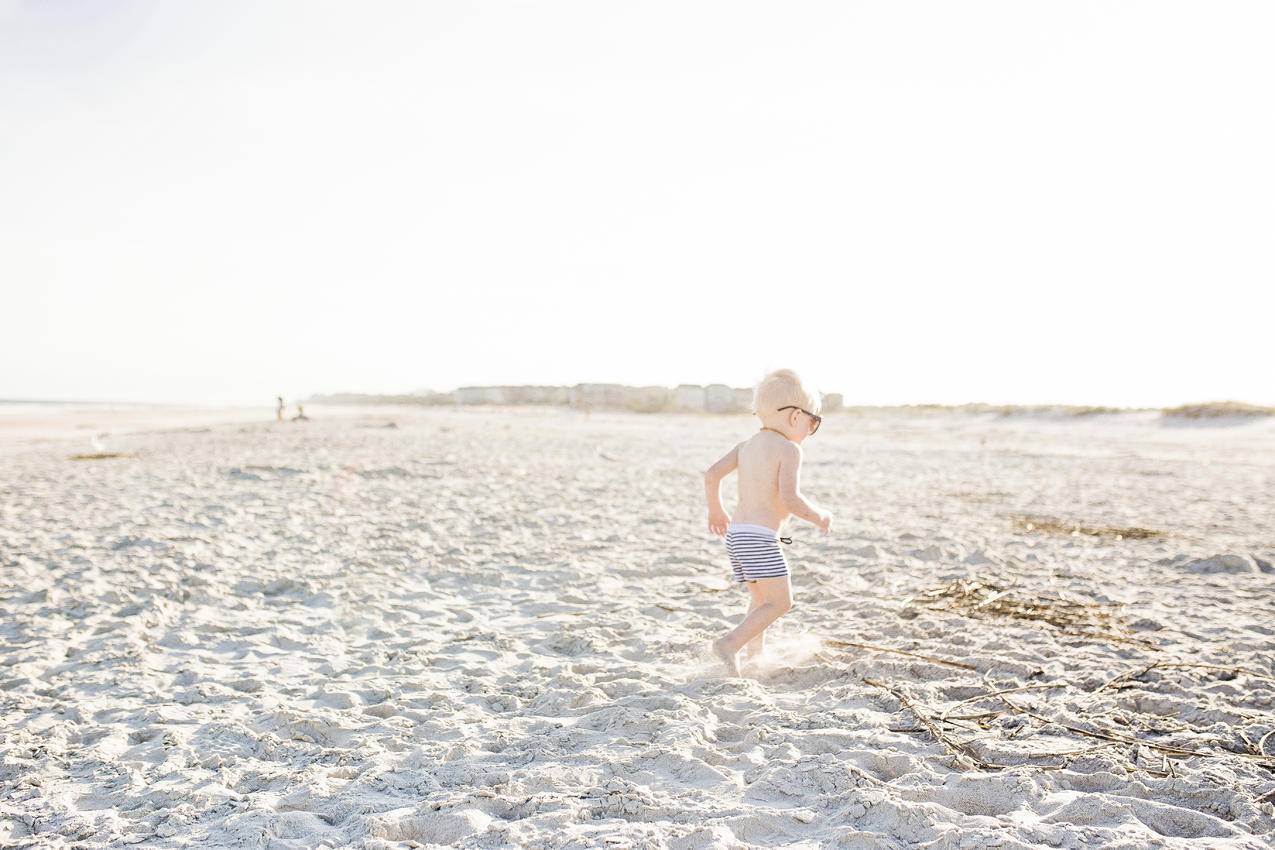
(488, 628)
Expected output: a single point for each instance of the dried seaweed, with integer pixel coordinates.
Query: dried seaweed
(1075, 528)
(983, 598)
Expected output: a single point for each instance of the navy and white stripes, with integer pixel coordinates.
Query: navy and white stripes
(754, 552)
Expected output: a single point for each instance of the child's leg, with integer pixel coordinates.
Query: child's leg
(776, 599)
(757, 645)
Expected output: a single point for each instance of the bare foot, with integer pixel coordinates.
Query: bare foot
(728, 658)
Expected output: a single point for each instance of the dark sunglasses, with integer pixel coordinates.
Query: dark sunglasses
(818, 420)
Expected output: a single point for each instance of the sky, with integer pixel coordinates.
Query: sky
(1012, 202)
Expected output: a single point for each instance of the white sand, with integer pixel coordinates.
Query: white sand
(488, 628)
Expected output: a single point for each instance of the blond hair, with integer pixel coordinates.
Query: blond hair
(781, 388)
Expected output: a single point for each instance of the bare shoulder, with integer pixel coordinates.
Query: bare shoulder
(777, 448)
(788, 451)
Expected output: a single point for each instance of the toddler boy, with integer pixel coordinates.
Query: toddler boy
(769, 465)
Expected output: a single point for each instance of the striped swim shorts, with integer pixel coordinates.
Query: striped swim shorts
(754, 552)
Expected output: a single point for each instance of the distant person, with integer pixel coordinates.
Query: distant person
(769, 464)
(300, 417)
(278, 411)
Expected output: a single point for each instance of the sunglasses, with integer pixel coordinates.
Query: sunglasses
(818, 420)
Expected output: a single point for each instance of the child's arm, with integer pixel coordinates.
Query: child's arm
(717, 516)
(790, 489)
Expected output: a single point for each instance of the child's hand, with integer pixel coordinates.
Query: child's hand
(825, 522)
(717, 522)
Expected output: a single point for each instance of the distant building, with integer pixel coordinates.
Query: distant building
(648, 399)
(480, 395)
(535, 395)
(597, 396)
(719, 398)
(689, 398)
(685, 398)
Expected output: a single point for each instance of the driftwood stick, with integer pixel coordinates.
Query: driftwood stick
(961, 752)
(1261, 745)
(1160, 665)
(980, 697)
(837, 643)
(1224, 667)
(1115, 680)
(979, 716)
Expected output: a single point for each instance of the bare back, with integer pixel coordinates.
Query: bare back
(761, 458)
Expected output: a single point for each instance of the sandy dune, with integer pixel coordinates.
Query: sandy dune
(487, 628)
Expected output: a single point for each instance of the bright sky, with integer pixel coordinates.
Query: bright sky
(910, 202)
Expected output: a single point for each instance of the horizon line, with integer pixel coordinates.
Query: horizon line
(846, 404)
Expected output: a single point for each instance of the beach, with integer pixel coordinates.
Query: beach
(488, 627)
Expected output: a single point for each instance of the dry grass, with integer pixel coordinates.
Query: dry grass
(983, 598)
(101, 456)
(1217, 409)
(1072, 528)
